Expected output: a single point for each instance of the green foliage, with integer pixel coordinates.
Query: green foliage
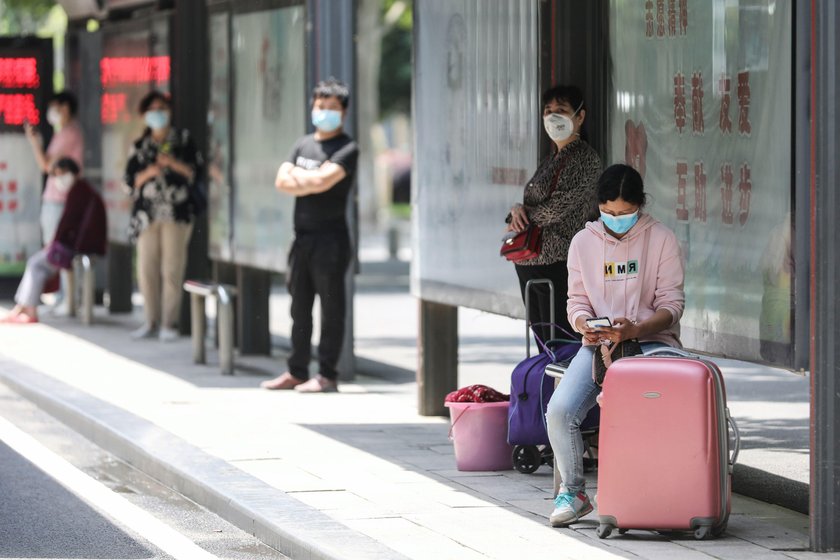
(395, 72)
(23, 17)
(405, 21)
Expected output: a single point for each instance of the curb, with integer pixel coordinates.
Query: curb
(771, 488)
(282, 522)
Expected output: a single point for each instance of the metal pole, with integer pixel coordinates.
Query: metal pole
(825, 300)
(71, 276)
(224, 316)
(198, 325)
(87, 289)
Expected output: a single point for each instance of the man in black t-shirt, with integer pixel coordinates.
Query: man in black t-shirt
(319, 173)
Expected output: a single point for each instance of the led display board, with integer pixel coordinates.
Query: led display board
(25, 86)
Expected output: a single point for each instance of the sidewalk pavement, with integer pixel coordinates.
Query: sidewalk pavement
(359, 474)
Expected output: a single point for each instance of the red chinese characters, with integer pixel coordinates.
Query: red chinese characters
(635, 147)
(19, 108)
(699, 192)
(682, 181)
(726, 178)
(134, 70)
(113, 108)
(697, 122)
(649, 27)
(672, 18)
(724, 88)
(744, 126)
(660, 18)
(679, 101)
(19, 73)
(8, 196)
(745, 187)
(666, 18)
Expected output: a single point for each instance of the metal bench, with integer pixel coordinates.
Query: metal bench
(224, 295)
(82, 268)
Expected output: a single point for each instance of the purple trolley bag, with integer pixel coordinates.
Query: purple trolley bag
(531, 389)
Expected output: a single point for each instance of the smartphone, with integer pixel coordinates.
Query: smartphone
(596, 322)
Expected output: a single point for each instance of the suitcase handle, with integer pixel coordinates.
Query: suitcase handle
(737, 443)
(670, 351)
(528, 285)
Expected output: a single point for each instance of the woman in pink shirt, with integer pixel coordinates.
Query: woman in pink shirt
(67, 141)
(628, 268)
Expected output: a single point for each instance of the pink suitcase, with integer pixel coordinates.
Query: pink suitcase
(664, 447)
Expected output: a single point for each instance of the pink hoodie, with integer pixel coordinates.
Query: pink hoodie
(604, 275)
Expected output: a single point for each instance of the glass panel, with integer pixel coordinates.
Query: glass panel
(129, 69)
(218, 157)
(477, 92)
(270, 113)
(702, 108)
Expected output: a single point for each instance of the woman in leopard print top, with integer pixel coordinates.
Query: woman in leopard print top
(559, 198)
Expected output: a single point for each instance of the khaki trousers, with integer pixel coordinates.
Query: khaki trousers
(161, 261)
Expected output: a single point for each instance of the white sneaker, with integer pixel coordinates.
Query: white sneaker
(168, 335)
(569, 508)
(145, 331)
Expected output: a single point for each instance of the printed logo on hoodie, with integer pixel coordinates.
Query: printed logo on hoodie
(615, 271)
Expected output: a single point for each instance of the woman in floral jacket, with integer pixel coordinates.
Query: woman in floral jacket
(161, 173)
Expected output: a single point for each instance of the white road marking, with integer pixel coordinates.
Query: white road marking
(101, 497)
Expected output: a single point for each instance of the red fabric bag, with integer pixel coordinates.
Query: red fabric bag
(522, 246)
(476, 393)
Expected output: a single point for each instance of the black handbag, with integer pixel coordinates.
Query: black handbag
(606, 355)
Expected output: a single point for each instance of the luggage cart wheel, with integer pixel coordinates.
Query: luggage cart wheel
(526, 458)
(603, 531)
(702, 533)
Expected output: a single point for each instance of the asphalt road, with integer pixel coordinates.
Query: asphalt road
(41, 519)
(63, 497)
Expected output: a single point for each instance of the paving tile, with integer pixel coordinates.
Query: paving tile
(414, 541)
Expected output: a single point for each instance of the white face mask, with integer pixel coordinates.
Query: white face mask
(53, 116)
(560, 127)
(64, 181)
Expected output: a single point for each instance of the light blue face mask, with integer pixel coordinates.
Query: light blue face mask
(326, 120)
(156, 120)
(620, 224)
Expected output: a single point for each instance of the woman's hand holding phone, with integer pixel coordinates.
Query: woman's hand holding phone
(590, 332)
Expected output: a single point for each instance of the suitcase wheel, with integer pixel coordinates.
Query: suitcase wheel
(526, 458)
(604, 530)
(701, 533)
(623, 531)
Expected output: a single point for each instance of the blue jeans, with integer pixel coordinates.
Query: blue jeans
(568, 407)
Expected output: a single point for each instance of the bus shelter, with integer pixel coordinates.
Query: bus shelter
(726, 108)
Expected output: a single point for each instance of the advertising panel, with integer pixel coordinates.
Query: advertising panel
(25, 84)
(702, 108)
(269, 90)
(135, 60)
(477, 103)
(219, 149)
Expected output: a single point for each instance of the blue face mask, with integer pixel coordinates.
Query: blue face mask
(326, 120)
(156, 120)
(620, 224)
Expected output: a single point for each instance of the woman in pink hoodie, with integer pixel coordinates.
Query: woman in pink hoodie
(628, 268)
